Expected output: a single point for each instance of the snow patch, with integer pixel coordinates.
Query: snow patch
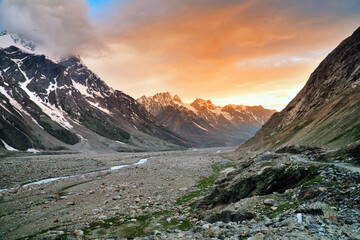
(54, 113)
(8, 147)
(100, 108)
(81, 88)
(33, 150)
(200, 126)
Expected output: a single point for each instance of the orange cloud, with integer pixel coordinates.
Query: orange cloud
(220, 49)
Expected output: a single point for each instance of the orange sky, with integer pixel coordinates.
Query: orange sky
(244, 52)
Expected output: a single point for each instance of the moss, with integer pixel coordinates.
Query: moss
(283, 208)
(264, 164)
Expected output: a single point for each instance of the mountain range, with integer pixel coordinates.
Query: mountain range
(62, 105)
(204, 124)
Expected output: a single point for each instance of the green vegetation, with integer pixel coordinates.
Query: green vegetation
(127, 227)
(283, 208)
(205, 183)
(269, 163)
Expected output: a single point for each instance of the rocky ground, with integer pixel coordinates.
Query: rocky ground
(194, 194)
(97, 202)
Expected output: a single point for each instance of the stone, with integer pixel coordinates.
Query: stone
(330, 214)
(116, 198)
(269, 202)
(79, 233)
(259, 236)
(299, 218)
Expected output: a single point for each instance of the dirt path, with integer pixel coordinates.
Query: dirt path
(95, 194)
(346, 166)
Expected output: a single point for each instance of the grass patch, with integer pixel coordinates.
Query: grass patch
(283, 208)
(143, 226)
(204, 183)
(311, 178)
(269, 163)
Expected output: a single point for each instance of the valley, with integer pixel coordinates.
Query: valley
(81, 160)
(198, 193)
(95, 194)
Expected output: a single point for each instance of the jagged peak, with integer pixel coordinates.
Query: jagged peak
(198, 102)
(177, 99)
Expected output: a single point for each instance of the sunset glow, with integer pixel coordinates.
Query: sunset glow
(243, 52)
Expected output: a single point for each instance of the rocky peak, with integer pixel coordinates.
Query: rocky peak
(201, 103)
(164, 97)
(177, 99)
(82, 75)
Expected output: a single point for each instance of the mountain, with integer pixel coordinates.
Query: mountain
(326, 112)
(205, 124)
(303, 163)
(52, 105)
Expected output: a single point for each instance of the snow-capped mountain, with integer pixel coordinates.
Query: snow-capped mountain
(50, 104)
(205, 124)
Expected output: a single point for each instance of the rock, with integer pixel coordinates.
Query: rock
(230, 216)
(330, 214)
(133, 220)
(299, 218)
(227, 170)
(258, 236)
(116, 198)
(79, 233)
(117, 207)
(102, 217)
(269, 202)
(273, 208)
(183, 189)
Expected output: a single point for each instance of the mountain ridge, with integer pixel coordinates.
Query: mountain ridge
(53, 105)
(204, 123)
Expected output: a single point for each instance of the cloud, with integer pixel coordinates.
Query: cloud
(194, 48)
(60, 26)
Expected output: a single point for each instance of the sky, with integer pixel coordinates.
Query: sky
(251, 52)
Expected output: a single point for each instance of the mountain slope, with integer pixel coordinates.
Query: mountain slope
(205, 124)
(53, 105)
(325, 113)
